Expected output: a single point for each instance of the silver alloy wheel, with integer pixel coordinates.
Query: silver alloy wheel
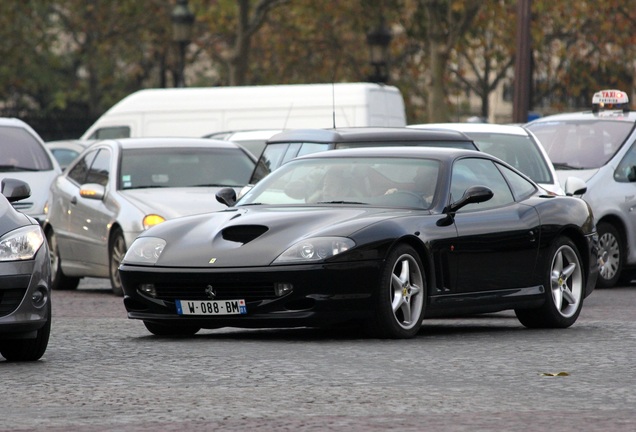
(609, 254)
(407, 295)
(566, 281)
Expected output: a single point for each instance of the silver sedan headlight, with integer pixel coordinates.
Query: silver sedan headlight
(145, 251)
(21, 244)
(315, 249)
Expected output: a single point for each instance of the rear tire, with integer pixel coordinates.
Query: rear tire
(400, 301)
(611, 255)
(116, 252)
(564, 289)
(59, 281)
(170, 330)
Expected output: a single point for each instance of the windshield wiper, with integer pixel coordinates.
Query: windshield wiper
(565, 166)
(16, 168)
(341, 202)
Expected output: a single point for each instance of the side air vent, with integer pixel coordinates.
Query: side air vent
(243, 233)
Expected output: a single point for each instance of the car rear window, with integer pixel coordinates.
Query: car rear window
(21, 151)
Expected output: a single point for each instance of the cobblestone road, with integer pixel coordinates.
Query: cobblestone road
(103, 372)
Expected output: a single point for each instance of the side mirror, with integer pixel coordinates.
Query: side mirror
(15, 190)
(92, 191)
(226, 196)
(474, 194)
(575, 186)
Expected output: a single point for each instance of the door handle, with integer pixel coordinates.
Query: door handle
(74, 200)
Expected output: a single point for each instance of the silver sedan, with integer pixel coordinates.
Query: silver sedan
(118, 188)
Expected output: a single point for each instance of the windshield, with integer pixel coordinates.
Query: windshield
(581, 144)
(519, 151)
(387, 182)
(20, 151)
(184, 167)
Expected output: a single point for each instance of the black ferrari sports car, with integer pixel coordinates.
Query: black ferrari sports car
(376, 237)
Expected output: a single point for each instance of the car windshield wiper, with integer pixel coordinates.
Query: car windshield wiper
(341, 202)
(148, 187)
(16, 168)
(215, 185)
(250, 204)
(565, 166)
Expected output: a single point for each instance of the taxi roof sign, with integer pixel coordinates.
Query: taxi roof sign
(610, 99)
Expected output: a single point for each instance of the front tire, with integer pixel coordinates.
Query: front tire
(28, 349)
(400, 301)
(170, 330)
(59, 281)
(116, 252)
(565, 286)
(611, 255)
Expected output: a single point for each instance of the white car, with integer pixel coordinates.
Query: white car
(599, 147)
(513, 144)
(24, 156)
(116, 189)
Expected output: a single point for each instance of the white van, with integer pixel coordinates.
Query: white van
(197, 112)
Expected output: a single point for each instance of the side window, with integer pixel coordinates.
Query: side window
(626, 170)
(79, 171)
(521, 188)
(98, 172)
(479, 172)
(112, 132)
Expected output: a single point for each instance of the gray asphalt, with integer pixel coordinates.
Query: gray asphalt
(103, 372)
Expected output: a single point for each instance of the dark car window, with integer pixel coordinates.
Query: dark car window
(521, 188)
(80, 169)
(20, 151)
(479, 172)
(113, 132)
(98, 173)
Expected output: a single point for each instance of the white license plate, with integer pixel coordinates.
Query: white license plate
(211, 307)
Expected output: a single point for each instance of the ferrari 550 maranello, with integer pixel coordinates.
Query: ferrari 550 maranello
(381, 238)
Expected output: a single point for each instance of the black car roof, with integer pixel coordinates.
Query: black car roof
(442, 153)
(367, 134)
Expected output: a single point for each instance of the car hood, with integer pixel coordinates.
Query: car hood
(255, 236)
(174, 202)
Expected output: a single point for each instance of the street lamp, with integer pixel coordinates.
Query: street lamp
(378, 40)
(182, 22)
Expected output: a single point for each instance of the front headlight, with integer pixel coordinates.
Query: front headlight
(21, 244)
(145, 251)
(315, 249)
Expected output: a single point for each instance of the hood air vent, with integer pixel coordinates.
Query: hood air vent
(243, 233)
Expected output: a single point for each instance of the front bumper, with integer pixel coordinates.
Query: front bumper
(323, 294)
(24, 296)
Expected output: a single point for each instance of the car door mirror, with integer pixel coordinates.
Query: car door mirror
(474, 194)
(15, 190)
(92, 191)
(226, 196)
(575, 186)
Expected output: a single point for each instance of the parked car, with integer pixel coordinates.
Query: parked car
(24, 156)
(252, 140)
(513, 144)
(381, 237)
(25, 298)
(599, 147)
(117, 188)
(289, 144)
(65, 151)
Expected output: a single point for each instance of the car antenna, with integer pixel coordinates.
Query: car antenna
(333, 102)
(291, 105)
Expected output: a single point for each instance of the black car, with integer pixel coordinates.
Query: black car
(25, 272)
(378, 237)
(292, 143)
